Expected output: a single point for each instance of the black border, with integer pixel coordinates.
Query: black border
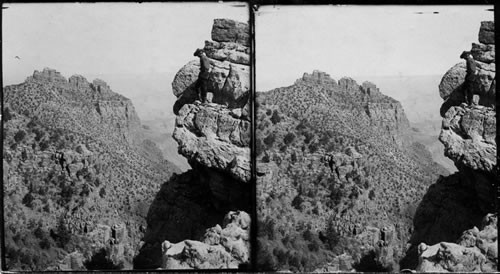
(254, 5)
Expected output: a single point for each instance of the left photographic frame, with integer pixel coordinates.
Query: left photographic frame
(141, 158)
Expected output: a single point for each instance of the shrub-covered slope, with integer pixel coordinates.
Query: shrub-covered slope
(78, 175)
(338, 176)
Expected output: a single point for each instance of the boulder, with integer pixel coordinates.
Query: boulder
(487, 32)
(228, 51)
(483, 53)
(73, 261)
(468, 134)
(210, 136)
(452, 81)
(219, 249)
(226, 30)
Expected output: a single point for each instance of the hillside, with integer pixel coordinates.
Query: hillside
(339, 175)
(79, 175)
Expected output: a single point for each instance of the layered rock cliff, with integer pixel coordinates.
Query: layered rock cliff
(456, 222)
(215, 139)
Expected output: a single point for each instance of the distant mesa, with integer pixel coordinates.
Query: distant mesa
(346, 83)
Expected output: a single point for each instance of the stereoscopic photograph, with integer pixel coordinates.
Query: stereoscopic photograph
(126, 136)
(375, 138)
(230, 136)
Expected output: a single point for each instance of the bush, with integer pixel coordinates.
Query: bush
(28, 200)
(276, 117)
(283, 148)
(259, 147)
(62, 235)
(67, 193)
(7, 115)
(308, 136)
(324, 140)
(266, 158)
(269, 140)
(44, 145)
(266, 261)
(85, 190)
(19, 136)
(313, 147)
(369, 263)
(102, 192)
(31, 123)
(289, 137)
(332, 236)
(45, 243)
(38, 134)
(371, 195)
(100, 261)
(297, 201)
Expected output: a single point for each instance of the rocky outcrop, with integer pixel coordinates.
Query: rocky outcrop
(487, 32)
(217, 135)
(452, 85)
(468, 134)
(446, 237)
(318, 78)
(215, 139)
(226, 30)
(341, 263)
(223, 248)
(211, 136)
(229, 79)
(476, 251)
(49, 75)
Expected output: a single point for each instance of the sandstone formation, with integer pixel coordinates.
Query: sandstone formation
(451, 87)
(225, 30)
(215, 139)
(476, 251)
(455, 227)
(229, 80)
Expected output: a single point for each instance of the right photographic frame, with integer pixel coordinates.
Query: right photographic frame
(375, 138)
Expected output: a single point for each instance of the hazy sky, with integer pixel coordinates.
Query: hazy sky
(106, 38)
(361, 40)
